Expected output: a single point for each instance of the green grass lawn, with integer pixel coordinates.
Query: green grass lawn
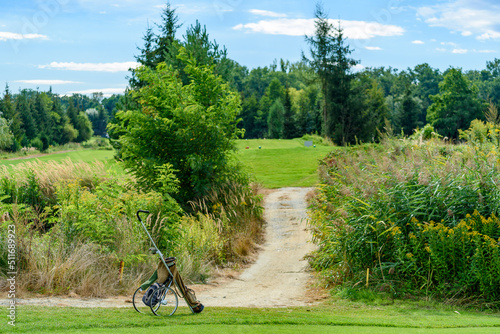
(343, 318)
(86, 155)
(281, 163)
(278, 163)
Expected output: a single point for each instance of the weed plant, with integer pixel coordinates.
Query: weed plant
(412, 217)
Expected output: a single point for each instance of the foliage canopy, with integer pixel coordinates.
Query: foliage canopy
(190, 127)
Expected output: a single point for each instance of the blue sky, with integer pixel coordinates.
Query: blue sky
(87, 45)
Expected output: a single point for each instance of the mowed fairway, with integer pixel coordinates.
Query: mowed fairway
(278, 163)
(281, 163)
(90, 156)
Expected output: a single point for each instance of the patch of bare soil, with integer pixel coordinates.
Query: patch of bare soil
(279, 277)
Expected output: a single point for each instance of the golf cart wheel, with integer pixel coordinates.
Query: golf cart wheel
(139, 305)
(167, 301)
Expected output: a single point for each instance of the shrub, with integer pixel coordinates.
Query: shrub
(477, 132)
(414, 215)
(62, 210)
(16, 146)
(317, 140)
(37, 143)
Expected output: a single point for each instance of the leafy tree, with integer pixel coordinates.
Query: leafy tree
(401, 81)
(10, 113)
(189, 127)
(257, 82)
(426, 81)
(84, 127)
(60, 120)
(455, 106)
(6, 137)
(494, 68)
(275, 120)
(69, 133)
(275, 91)
(79, 122)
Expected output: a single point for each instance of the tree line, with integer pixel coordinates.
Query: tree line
(32, 118)
(322, 93)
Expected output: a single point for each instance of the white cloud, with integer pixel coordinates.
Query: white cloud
(441, 49)
(485, 51)
(373, 48)
(358, 67)
(490, 35)
(417, 42)
(467, 17)
(48, 82)
(105, 91)
(5, 35)
(459, 51)
(266, 13)
(91, 67)
(301, 27)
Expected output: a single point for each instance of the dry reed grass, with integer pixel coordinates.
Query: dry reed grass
(55, 260)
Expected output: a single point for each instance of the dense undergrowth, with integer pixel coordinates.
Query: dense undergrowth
(75, 223)
(413, 218)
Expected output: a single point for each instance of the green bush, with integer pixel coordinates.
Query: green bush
(37, 143)
(90, 216)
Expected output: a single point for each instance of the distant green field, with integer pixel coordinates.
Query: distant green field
(281, 163)
(278, 163)
(90, 156)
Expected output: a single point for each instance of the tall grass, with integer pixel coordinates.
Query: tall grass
(75, 223)
(237, 214)
(399, 211)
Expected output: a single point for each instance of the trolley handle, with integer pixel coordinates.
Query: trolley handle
(141, 211)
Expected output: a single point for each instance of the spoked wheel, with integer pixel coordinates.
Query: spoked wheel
(137, 301)
(167, 301)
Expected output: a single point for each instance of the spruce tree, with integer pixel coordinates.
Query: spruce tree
(10, 113)
(330, 59)
(275, 120)
(25, 109)
(289, 129)
(409, 112)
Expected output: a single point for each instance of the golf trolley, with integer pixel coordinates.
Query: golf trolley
(162, 290)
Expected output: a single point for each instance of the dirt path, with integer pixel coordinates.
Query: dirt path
(278, 278)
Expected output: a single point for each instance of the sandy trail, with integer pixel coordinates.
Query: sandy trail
(278, 278)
